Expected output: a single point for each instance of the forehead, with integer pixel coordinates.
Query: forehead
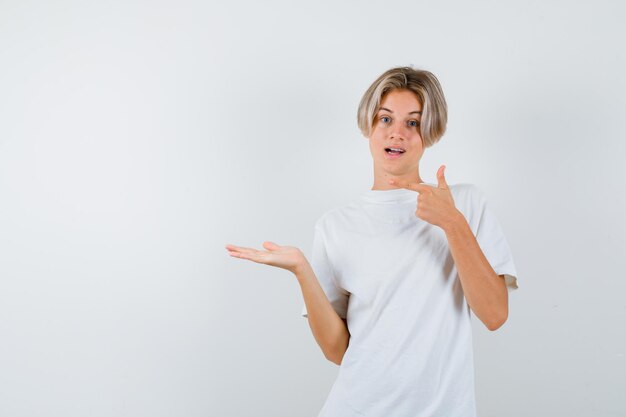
(403, 101)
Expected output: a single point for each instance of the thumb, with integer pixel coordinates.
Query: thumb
(270, 245)
(441, 178)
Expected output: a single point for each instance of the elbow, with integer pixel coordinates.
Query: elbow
(494, 326)
(335, 361)
(335, 349)
(498, 322)
(335, 357)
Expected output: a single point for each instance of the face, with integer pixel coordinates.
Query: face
(396, 125)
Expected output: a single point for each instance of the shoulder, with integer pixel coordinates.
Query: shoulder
(326, 218)
(465, 188)
(469, 199)
(335, 216)
(467, 193)
(335, 221)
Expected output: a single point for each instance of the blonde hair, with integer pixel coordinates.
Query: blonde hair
(429, 93)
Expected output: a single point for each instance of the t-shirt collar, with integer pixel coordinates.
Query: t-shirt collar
(393, 196)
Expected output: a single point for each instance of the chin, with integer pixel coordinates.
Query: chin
(395, 172)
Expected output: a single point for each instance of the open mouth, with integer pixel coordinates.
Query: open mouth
(394, 151)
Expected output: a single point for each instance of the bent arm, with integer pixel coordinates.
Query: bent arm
(329, 330)
(484, 290)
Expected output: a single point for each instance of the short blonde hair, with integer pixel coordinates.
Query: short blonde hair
(428, 91)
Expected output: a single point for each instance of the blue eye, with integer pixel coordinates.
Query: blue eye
(384, 117)
(416, 123)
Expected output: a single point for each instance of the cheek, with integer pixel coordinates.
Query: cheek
(375, 141)
(419, 141)
(372, 145)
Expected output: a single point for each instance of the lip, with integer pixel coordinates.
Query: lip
(392, 156)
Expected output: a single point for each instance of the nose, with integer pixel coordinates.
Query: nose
(399, 132)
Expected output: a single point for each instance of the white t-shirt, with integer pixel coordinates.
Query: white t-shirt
(392, 276)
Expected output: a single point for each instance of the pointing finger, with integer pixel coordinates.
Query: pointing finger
(419, 187)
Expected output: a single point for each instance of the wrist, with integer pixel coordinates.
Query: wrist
(301, 269)
(456, 222)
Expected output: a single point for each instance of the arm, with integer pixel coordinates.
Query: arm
(485, 291)
(330, 330)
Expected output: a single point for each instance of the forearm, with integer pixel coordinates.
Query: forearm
(484, 290)
(329, 330)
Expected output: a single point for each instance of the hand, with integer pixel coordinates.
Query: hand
(286, 257)
(434, 204)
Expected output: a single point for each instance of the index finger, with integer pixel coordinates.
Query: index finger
(415, 186)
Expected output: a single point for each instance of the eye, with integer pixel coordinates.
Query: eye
(416, 123)
(385, 117)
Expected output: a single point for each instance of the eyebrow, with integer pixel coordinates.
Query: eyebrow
(382, 108)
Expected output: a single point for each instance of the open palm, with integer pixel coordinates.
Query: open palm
(286, 257)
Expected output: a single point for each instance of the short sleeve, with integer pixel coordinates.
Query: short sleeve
(491, 240)
(323, 270)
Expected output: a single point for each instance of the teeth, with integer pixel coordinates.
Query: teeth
(396, 149)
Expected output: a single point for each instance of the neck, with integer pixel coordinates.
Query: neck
(381, 181)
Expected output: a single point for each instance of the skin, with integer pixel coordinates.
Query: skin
(286, 257)
(384, 133)
(398, 125)
(484, 290)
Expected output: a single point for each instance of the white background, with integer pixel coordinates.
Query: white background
(138, 138)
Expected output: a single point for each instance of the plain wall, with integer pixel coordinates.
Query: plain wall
(138, 138)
